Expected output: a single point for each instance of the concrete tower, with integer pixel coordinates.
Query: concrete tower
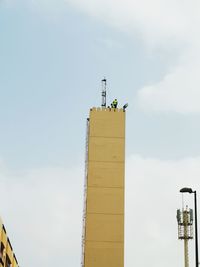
(103, 233)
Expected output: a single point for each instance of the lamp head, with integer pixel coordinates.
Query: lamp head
(186, 190)
(125, 106)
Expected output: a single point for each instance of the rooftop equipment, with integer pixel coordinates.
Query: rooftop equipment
(104, 84)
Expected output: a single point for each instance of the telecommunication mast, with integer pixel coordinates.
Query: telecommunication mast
(185, 229)
(104, 84)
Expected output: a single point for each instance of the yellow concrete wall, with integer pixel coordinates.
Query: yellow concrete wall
(104, 235)
(8, 251)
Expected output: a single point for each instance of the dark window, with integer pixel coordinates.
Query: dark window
(1, 252)
(8, 261)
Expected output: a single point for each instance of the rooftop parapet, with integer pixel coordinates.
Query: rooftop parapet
(107, 109)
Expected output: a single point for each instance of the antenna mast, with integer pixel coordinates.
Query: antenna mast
(185, 229)
(103, 94)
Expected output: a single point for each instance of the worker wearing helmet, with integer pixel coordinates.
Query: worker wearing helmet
(114, 103)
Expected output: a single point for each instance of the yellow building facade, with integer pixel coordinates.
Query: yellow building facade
(7, 256)
(104, 203)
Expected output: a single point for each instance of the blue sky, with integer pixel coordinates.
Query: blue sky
(53, 55)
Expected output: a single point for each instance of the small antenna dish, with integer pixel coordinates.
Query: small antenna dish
(103, 94)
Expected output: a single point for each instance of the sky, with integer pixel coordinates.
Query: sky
(53, 55)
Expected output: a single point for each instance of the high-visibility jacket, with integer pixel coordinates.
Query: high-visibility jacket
(115, 102)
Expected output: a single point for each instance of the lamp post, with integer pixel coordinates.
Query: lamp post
(190, 191)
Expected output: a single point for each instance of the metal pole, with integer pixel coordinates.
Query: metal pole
(196, 230)
(103, 94)
(186, 253)
(185, 223)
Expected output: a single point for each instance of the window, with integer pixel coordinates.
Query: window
(8, 261)
(1, 252)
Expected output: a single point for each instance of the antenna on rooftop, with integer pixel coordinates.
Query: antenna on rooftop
(103, 94)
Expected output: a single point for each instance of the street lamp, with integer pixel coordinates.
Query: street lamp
(190, 191)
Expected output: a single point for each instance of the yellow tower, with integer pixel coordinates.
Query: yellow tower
(103, 235)
(7, 256)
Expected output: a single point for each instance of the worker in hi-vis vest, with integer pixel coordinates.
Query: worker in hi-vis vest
(114, 104)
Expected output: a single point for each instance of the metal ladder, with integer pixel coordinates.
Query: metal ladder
(85, 194)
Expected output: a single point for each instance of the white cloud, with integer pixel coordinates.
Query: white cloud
(179, 91)
(42, 210)
(157, 21)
